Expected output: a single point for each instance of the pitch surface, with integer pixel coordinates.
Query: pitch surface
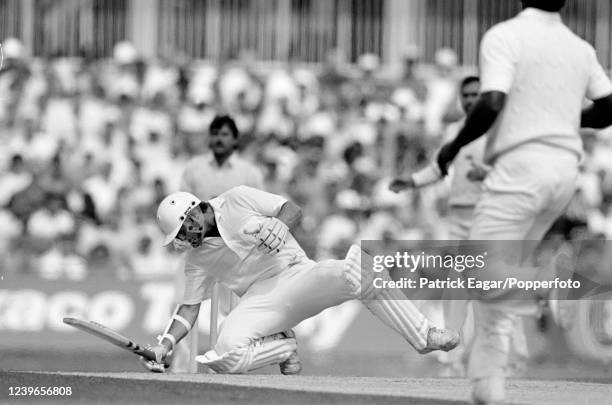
(141, 388)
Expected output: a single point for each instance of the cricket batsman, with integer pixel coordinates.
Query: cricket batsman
(242, 240)
(535, 74)
(225, 169)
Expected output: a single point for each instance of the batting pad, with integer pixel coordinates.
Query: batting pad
(391, 306)
(262, 352)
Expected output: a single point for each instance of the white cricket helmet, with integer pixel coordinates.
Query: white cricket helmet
(173, 211)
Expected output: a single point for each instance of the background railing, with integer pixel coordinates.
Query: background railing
(279, 30)
(301, 30)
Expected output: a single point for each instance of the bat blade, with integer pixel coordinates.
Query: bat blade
(111, 336)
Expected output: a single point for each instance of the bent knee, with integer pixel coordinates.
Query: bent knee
(332, 271)
(338, 273)
(330, 268)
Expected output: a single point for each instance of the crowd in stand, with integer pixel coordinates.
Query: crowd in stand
(90, 147)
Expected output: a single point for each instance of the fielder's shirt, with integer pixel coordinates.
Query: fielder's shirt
(233, 259)
(546, 71)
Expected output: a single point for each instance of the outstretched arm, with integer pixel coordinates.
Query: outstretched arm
(424, 177)
(178, 327)
(180, 324)
(480, 120)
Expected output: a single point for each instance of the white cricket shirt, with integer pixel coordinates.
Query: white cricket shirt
(204, 178)
(233, 259)
(546, 71)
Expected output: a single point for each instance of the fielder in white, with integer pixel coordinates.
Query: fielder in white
(469, 170)
(535, 74)
(242, 240)
(468, 173)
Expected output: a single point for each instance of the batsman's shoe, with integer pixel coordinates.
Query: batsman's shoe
(488, 391)
(441, 339)
(292, 365)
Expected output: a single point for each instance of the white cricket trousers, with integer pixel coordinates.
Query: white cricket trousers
(279, 303)
(525, 192)
(458, 313)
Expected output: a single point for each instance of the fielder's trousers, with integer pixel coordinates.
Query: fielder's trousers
(527, 189)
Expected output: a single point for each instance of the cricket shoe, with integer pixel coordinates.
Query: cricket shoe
(441, 339)
(292, 365)
(488, 391)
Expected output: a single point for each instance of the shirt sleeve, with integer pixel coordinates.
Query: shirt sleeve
(599, 84)
(198, 285)
(498, 57)
(261, 202)
(427, 175)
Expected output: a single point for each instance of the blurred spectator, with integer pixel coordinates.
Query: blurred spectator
(54, 180)
(11, 229)
(52, 220)
(15, 180)
(149, 260)
(368, 65)
(338, 230)
(198, 110)
(441, 91)
(102, 190)
(102, 262)
(62, 261)
(27, 201)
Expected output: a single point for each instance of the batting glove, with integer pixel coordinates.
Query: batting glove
(270, 235)
(160, 364)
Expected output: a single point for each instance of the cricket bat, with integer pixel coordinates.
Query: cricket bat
(111, 336)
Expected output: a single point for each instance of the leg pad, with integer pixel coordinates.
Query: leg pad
(262, 352)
